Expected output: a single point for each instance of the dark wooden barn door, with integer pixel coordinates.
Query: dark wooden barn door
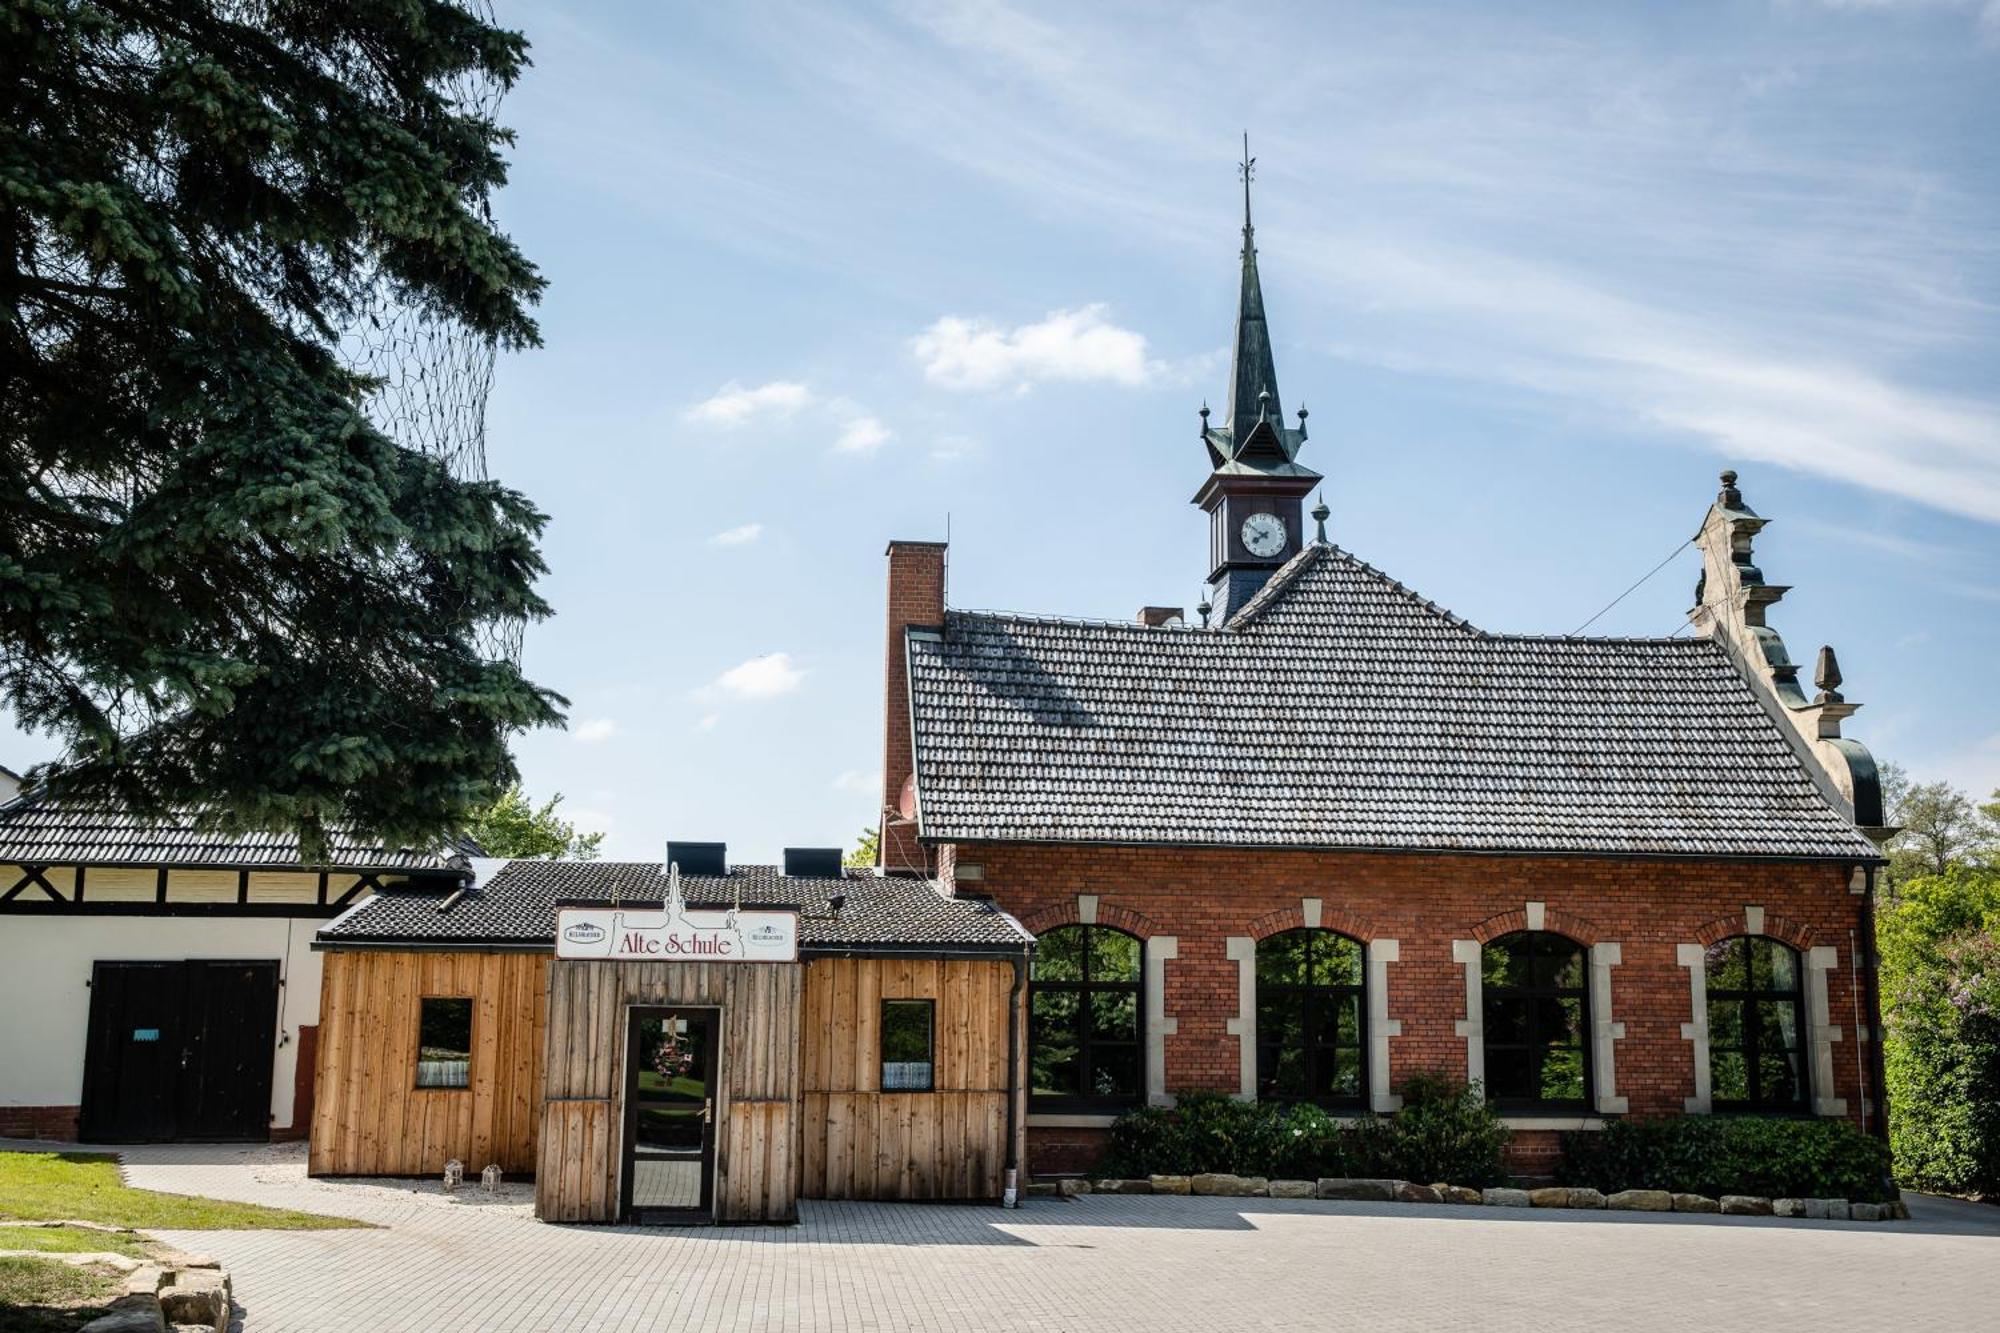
(180, 1050)
(232, 1021)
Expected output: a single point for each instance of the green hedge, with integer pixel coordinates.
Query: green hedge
(1445, 1132)
(1940, 938)
(1717, 1155)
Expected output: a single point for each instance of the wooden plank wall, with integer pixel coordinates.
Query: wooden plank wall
(858, 1142)
(370, 1119)
(582, 1115)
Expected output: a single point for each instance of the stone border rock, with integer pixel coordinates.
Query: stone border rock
(168, 1289)
(1218, 1185)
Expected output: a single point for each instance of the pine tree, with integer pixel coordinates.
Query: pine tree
(220, 586)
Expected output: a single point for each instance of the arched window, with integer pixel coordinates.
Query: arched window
(1756, 1025)
(1310, 1021)
(1084, 1047)
(1536, 1005)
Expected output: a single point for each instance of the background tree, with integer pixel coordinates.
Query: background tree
(220, 585)
(1940, 826)
(865, 848)
(513, 826)
(1938, 931)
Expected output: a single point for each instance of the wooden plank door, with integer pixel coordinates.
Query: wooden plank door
(132, 1055)
(231, 1010)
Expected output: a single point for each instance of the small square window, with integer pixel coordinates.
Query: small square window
(444, 1042)
(906, 1045)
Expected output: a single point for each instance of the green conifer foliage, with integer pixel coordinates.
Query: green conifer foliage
(220, 585)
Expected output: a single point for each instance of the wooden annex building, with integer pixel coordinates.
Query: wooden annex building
(771, 1033)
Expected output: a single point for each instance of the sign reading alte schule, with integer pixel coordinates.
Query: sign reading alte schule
(664, 934)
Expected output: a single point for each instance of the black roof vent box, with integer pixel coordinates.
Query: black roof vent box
(699, 858)
(813, 862)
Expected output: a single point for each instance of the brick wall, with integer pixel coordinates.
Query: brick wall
(1424, 903)
(39, 1122)
(916, 597)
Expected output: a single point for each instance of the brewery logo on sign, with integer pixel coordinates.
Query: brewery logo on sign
(583, 932)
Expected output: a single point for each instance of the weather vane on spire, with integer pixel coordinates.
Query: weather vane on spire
(1247, 169)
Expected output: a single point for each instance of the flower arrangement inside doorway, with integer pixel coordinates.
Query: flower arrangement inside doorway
(674, 1057)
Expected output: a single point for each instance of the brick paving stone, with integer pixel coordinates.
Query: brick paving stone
(1110, 1262)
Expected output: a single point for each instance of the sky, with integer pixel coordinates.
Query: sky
(822, 276)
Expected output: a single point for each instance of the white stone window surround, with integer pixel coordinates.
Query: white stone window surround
(1605, 1030)
(1376, 955)
(1824, 1032)
(1821, 1031)
(1158, 952)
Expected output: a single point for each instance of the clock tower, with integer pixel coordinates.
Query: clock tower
(1256, 487)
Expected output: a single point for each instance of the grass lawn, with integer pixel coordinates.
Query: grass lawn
(84, 1187)
(69, 1240)
(38, 1295)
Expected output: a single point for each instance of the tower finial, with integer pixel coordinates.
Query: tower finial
(1320, 514)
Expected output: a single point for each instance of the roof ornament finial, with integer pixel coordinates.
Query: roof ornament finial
(1303, 414)
(1247, 169)
(1264, 403)
(1730, 497)
(1203, 607)
(1826, 675)
(1320, 514)
(1204, 418)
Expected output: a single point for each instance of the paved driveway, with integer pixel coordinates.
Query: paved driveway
(473, 1261)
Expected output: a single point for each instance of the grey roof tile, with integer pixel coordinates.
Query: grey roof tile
(1339, 709)
(46, 831)
(517, 905)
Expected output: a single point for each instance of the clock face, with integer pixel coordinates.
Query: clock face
(1263, 534)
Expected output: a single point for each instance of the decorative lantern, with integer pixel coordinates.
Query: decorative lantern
(490, 1178)
(454, 1175)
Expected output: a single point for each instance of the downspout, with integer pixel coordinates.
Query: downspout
(1870, 964)
(1012, 1197)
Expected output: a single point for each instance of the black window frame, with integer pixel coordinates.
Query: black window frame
(1751, 1044)
(929, 1006)
(1535, 1051)
(471, 1004)
(1084, 989)
(1312, 995)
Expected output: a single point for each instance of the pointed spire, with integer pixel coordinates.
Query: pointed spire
(1253, 378)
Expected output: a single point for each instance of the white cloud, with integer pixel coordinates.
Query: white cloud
(951, 448)
(738, 536)
(764, 677)
(1075, 345)
(863, 435)
(734, 405)
(858, 780)
(589, 820)
(593, 730)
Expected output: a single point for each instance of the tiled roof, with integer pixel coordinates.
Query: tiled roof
(45, 831)
(518, 905)
(1338, 709)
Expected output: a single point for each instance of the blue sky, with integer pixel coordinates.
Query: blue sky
(822, 277)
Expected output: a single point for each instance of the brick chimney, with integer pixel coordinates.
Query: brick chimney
(916, 597)
(1156, 616)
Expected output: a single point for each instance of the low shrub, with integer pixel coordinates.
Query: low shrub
(1445, 1132)
(1717, 1155)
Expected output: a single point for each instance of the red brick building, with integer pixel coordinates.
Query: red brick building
(1329, 835)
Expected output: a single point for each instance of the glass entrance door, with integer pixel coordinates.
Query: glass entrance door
(670, 1096)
